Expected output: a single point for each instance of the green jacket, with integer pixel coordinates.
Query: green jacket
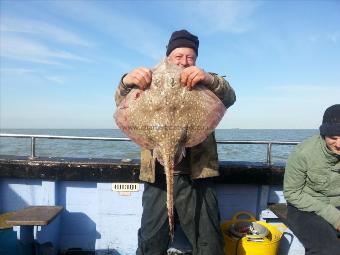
(312, 179)
(203, 157)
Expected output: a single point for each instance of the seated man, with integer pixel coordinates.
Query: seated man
(312, 188)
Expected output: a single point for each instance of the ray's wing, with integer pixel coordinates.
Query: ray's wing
(129, 117)
(201, 111)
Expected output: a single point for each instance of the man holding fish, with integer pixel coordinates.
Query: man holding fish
(194, 199)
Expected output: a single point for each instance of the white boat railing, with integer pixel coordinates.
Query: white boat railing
(34, 137)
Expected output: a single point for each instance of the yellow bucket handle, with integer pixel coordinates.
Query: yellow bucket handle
(280, 227)
(241, 213)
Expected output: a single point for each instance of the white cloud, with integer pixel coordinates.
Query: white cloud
(128, 30)
(116, 63)
(333, 37)
(148, 38)
(28, 50)
(219, 16)
(46, 30)
(29, 73)
(16, 71)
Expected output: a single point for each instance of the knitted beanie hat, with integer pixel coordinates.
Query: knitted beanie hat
(182, 38)
(331, 121)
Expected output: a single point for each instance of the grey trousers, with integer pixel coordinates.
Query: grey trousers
(197, 209)
(317, 235)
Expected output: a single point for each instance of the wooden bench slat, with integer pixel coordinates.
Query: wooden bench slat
(3, 220)
(280, 210)
(34, 216)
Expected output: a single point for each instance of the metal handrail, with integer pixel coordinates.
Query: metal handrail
(268, 143)
(34, 137)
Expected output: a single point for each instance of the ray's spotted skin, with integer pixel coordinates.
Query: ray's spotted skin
(168, 117)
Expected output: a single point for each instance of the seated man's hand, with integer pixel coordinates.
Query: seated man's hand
(193, 75)
(140, 77)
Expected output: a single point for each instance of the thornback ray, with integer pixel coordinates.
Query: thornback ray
(167, 117)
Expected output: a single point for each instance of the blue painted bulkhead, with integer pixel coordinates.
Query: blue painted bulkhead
(97, 218)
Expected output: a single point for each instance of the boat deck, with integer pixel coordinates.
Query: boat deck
(102, 200)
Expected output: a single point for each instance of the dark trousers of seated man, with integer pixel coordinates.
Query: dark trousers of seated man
(197, 209)
(317, 235)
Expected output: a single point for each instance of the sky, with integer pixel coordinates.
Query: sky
(61, 61)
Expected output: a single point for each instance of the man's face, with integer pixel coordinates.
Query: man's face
(333, 143)
(183, 57)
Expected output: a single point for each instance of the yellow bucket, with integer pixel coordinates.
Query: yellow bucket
(245, 246)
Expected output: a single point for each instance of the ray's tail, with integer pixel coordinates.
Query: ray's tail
(169, 172)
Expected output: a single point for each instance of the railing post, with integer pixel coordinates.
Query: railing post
(32, 147)
(269, 154)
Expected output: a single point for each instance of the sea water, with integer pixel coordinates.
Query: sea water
(127, 149)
